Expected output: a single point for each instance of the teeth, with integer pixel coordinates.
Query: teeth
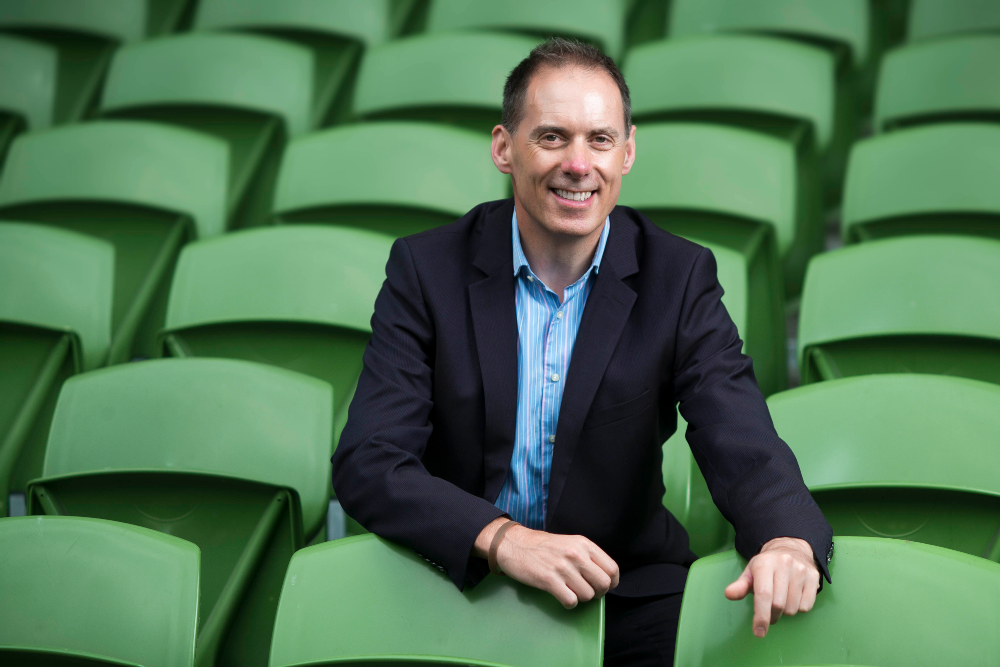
(575, 196)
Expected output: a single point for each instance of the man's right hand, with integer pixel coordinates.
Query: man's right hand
(570, 567)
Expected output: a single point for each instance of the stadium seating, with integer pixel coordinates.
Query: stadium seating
(456, 78)
(55, 320)
(336, 31)
(144, 187)
(939, 81)
(938, 179)
(916, 459)
(736, 189)
(893, 603)
(596, 21)
(82, 592)
(28, 95)
(920, 304)
(942, 18)
(367, 601)
(251, 91)
(230, 455)
(317, 184)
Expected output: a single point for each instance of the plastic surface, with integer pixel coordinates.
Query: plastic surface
(938, 81)
(942, 18)
(884, 608)
(916, 460)
(119, 20)
(366, 22)
(84, 588)
(144, 164)
(598, 21)
(29, 71)
(364, 600)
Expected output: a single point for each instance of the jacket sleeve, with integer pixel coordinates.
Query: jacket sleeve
(752, 474)
(377, 471)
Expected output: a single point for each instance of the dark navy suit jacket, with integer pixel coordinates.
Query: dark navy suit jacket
(430, 431)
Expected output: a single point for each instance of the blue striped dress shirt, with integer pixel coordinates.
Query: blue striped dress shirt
(546, 331)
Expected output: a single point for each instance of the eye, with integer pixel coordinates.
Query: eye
(551, 137)
(601, 139)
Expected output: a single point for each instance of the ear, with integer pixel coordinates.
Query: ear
(501, 149)
(629, 152)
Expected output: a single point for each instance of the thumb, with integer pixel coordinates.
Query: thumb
(742, 586)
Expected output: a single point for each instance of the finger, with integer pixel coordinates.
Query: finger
(794, 598)
(742, 586)
(606, 563)
(809, 590)
(567, 598)
(598, 579)
(763, 594)
(584, 591)
(780, 596)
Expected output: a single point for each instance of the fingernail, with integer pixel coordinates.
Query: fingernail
(759, 632)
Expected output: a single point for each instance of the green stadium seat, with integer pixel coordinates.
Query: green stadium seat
(892, 603)
(933, 179)
(736, 189)
(145, 187)
(230, 455)
(456, 78)
(83, 592)
(600, 22)
(905, 456)
(27, 97)
(938, 81)
(367, 601)
(363, 176)
(941, 18)
(55, 320)
(336, 31)
(251, 91)
(919, 304)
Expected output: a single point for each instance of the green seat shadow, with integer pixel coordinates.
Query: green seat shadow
(28, 70)
(367, 601)
(84, 592)
(944, 18)
(230, 455)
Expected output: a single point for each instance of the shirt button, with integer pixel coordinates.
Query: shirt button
(559, 314)
(555, 377)
(552, 438)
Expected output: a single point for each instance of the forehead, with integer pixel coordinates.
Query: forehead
(572, 96)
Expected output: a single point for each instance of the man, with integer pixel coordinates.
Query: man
(525, 364)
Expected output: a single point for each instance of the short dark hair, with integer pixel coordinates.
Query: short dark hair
(557, 52)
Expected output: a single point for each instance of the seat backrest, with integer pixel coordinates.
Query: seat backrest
(735, 73)
(117, 20)
(362, 599)
(875, 613)
(917, 285)
(933, 18)
(145, 164)
(716, 169)
(248, 72)
(92, 588)
(213, 417)
(365, 22)
(28, 70)
(598, 21)
(374, 164)
(929, 170)
(844, 22)
(931, 81)
(439, 70)
(59, 280)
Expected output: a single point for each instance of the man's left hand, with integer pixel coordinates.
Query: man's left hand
(783, 578)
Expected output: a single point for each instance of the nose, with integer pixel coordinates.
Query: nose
(577, 160)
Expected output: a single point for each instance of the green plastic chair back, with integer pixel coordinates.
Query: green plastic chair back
(941, 18)
(596, 21)
(884, 608)
(883, 471)
(456, 78)
(28, 70)
(55, 320)
(368, 601)
(911, 304)
(298, 297)
(144, 187)
(929, 82)
(930, 179)
(83, 591)
(364, 176)
(844, 24)
(230, 455)
(251, 91)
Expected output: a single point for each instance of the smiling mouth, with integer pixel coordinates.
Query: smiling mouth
(574, 196)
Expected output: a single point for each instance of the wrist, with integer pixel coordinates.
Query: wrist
(796, 544)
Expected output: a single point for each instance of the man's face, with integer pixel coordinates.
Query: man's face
(568, 155)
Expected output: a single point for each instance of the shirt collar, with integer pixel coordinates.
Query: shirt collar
(520, 261)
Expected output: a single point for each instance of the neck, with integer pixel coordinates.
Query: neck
(559, 260)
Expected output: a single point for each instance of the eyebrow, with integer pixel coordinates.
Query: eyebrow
(555, 129)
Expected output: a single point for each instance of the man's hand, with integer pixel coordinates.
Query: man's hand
(570, 567)
(783, 578)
